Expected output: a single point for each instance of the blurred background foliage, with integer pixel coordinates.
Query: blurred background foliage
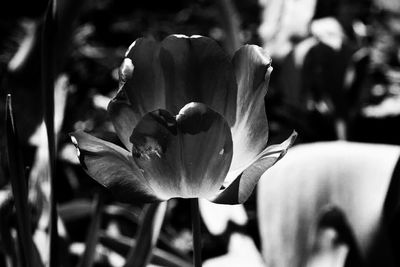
(337, 69)
(323, 90)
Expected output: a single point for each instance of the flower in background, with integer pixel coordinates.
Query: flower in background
(192, 123)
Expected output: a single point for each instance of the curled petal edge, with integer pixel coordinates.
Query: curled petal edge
(112, 167)
(245, 180)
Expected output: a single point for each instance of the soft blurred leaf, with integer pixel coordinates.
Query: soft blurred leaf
(242, 252)
(75, 209)
(148, 232)
(20, 191)
(93, 235)
(122, 245)
(7, 247)
(230, 22)
(48, 78)
(216, 217)
(353, 177)
(123, 210)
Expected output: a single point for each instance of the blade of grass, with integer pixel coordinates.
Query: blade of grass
(48, 78)
(93, 235)
(147, 235)
(20, 191)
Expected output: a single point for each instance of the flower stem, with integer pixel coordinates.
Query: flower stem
(146, 238)
(194, 203)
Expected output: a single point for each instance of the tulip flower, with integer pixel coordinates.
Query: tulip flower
(192, 123)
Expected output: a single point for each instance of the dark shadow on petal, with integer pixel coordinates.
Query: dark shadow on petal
(333, 219)
(165, 118)
(230, 194)
(391, 213)
(152, 134)
(195, 119)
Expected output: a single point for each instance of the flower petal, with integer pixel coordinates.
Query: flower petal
(113, 167)
(206, 147)
(123, 117)
(239, 190)
(187, 156)
(196, 69)
(250, 132)
(156, 150)
(142, 77)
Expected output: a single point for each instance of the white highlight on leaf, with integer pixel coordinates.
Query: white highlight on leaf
(216, 216)
(328, 31)
(25, 47)
(101, 101)
(127, 68)
(242, 252)
(129, 48)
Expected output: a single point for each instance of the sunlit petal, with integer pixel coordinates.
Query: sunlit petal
(184, 156)
(196, 69)
(250, 132)
(141, 70)
(239, 186)
(206, 147)
(112, 166)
